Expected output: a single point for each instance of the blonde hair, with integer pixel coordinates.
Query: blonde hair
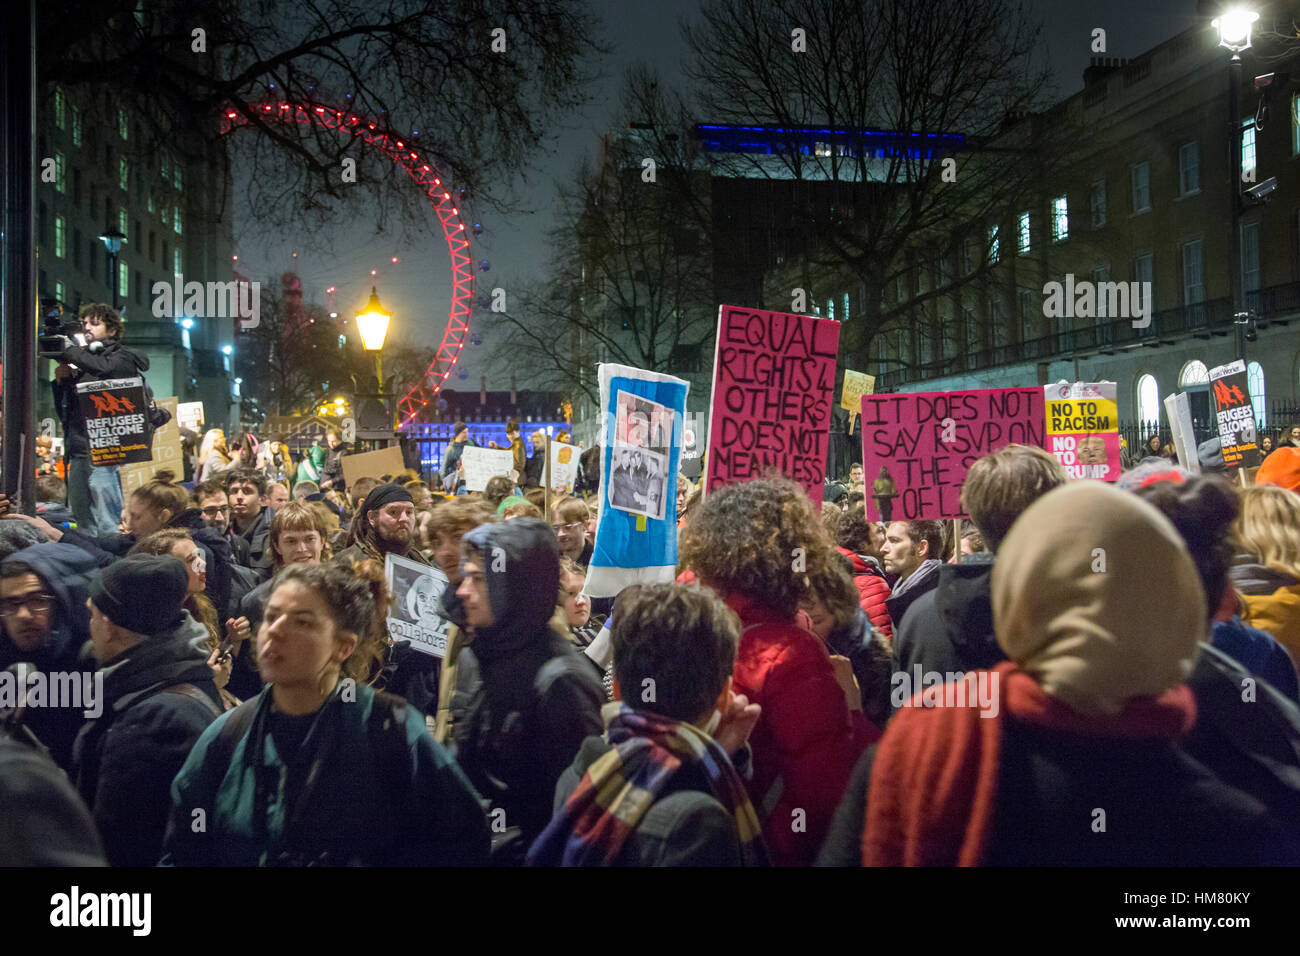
(1269, 527)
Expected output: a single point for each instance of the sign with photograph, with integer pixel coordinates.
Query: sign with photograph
(1235, 414)
(917, 446)
(641, 448)
(117, 423)
(564, 467)
(773, 379)
(1083, 428)
(483, 464)
(417, 595)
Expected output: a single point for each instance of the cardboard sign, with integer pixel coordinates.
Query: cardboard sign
(166, 454)
(482, 464)
(564, 467)
(1234, 414)
(117, 424)
(1083, 428)
(413, 616)
(190, 415)
(1178, 409)
(372, 464)
(918, 446)
(773, 377)
(856, 384)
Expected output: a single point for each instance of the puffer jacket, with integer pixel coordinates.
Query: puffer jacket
(127, 757)
(806, 741)
(525, 700)
(873, 591)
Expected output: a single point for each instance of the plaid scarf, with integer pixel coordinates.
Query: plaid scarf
(619, 789)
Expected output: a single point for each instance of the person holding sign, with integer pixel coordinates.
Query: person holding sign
(94, 494)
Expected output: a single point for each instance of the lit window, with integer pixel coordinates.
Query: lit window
(76, 126)
(121, 224)
(124, 174)
(846, 308)
(121, 122)
(830, 308)
(1097, 203)
(176, 175)
(60, 106)
(60, 172)
(60, 237)
(58, 290)
(1060, 219)
(1255, 383)
(1194, 373)
(123, 279)
(1024, 233)
(1248, 150)
(1148, 402)
(1189, 169)
(176, 262)
(995, 251)
(165, 166)
(1139, 178)
(176, 220)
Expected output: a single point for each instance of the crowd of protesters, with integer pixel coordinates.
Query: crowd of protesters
(1082, 673)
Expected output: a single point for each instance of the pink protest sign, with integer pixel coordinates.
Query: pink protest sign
(917, 447)
(773, 375)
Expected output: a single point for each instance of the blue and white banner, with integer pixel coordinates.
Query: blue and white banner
(641, 448)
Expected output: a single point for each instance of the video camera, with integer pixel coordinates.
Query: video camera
(55, 328)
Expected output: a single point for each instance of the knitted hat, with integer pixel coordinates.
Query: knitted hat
(508, 502)
(1210, 454)
(1281, 468)
(144, 593)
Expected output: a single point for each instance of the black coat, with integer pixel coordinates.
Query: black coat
(127, 758)
(950, 629)
(113, 361)
(42, 820)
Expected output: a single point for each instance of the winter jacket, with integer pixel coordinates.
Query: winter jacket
(333, 470)
(806, 741)
(258, 538)
(949, 629)
(1258, 653)
(687, 826)
(873, 591)
(519, 458)
(1277, 613)
(42, 820)
(907, 590)
(452, 458)
(66, 571)
(127, 758)
(526, 699)
(341, 800)
(113, 361)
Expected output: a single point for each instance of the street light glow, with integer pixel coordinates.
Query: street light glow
(1234, 28)
(373, 323)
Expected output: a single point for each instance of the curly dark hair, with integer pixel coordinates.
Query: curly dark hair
(1203, 509)
(763, 539)
(853, 531)
(357, 598)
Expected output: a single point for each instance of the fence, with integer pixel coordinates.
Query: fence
(1279, 415)
(432, 439)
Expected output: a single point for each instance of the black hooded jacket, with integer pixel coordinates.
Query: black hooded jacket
(113, 361)
(950, 629)
(534, 700)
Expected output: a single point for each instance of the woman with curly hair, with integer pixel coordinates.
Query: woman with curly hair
(760, 545)
(319, 769)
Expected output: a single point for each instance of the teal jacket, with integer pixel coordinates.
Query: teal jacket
(349, 804)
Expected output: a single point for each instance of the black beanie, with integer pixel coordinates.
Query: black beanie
(144, 593)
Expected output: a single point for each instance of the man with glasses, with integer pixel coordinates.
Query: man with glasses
(43, 612)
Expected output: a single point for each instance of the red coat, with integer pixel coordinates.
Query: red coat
(806, 741)
(873, 589)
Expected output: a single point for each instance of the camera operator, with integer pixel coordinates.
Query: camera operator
(94, 494)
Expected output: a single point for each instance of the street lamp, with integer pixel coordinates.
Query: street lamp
(373, 326)
(1234, 28)
(112, 238)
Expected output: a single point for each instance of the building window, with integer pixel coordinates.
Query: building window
(58, 291)
(122, 124)
(1295, 123)
(60, 108)
(60, 172)
(830, 308)
(176, 220)
(1194, 373)
(846, 308)
(76, 248)
(1248, 150)
(1255, 382)
(1028, 325)
(1142, 268)
(76, 126)
(164, 166)
(1139, 178)
(176, 262)
(123, 280)
(995, 251)
(42, 224)
(176, 175)
(124, 174)
(61, 237)
(1060, 219)
(1024, 233)
(1193, 277)
(1189, 169)
(76, 188)
(122, 224)
(1148, 395)
(967, 256)
(1097, 203)
(1250, 259)
(1099, 275)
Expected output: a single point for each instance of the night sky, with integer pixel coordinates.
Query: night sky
(416, 289)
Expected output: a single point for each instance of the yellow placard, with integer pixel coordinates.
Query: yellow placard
(856, 384)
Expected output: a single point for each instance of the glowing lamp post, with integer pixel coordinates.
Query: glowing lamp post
(373, 326)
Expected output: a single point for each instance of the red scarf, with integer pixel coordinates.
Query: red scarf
(934, 781)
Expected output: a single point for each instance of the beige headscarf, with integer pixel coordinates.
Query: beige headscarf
(1096, 598)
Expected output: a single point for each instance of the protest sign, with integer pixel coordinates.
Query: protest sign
(116, 420)
(773, 377)
(190, 415)
(641, 447)
(564, 467)
(1178, 409)
(917, 447)
(1234, 414)
(372, 464)
(167, 453)
(482, 464)
(1083, 428)
(417, 590)
(856, 384)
